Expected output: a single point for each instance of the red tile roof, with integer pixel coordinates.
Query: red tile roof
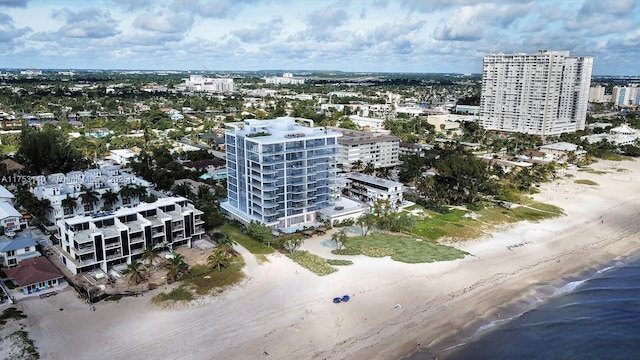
(33, 271)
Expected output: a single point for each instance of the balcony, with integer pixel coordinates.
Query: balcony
(135, 240)
(88, 261)
(112, 245)
(84, 249)
(114, 256)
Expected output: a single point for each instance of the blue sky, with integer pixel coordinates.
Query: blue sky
(357, 35)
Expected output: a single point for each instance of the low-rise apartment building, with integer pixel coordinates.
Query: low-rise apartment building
(379, 149)
(106, 239)
(65, 191)
(369, 189)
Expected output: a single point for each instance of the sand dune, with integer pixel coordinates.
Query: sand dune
(286, 311)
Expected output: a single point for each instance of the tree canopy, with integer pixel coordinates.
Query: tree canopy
(47, 151)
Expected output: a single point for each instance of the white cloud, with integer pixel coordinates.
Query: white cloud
(86, 23)
(165, 22)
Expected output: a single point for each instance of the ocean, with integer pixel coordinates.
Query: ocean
(594, 316)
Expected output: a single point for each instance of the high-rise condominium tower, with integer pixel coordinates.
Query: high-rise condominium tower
(542, 94)
(279, 172)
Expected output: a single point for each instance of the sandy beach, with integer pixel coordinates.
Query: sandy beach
(286, 311)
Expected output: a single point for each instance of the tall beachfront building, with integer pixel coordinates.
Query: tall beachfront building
(541, 94)
(626, 95)
(279, 171)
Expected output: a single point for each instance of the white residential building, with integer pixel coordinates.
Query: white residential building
(369, 189)
(201, 83)
(367, 122)
(58, 187)
(285, 79)
(117, 237)
(13, 250)
(541, 94)
(597, 94)
(279, 171)
(379, 149)
(626, 95)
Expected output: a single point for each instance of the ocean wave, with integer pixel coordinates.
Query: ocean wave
(605, 269)
(568, 287)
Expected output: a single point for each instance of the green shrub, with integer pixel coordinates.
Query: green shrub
(377, 251)
(339, 262)
(313, 263)
(177, 294)
(346, 251)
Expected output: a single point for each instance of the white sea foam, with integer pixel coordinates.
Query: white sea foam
(569, 287)
(606, 269)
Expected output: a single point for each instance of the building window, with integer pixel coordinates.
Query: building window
(27, 249)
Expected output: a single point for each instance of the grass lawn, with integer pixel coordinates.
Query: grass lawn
(8, 149)
(247, 242)
(314, 263)
(456, 226)
(403, 248)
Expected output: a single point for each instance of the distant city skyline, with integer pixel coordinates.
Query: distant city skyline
(418, 36)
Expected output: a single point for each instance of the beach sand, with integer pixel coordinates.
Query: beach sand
(286, 312)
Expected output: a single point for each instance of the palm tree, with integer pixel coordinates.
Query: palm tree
(203, 193)
(139, 191)
(293, 243)
(339, 237)
(135, 270)
(357, 165)
(218, 259)
(127, 191)
(89, 197)
(182, 189)
(149, 255)
(109, 198)
(369, 169)
(42, 207)
(384, 173)
(176, 267)
(69, 203)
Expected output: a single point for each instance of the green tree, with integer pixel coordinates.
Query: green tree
(357, 165)
(260, 232)
(369, 169)
(366, 222)
(183, 189)
(293, 243)
(47, 151)
(89, 197)
(338, 238)
(218, 259)
(135, 270)
(176, 267)
(69, 204)
(109, 198)
(149, 256)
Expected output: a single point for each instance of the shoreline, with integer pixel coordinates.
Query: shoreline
(286, 311)
(533, 297)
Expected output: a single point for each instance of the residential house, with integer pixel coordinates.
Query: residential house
(564, 151)
(13, 250)
(35, 275)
